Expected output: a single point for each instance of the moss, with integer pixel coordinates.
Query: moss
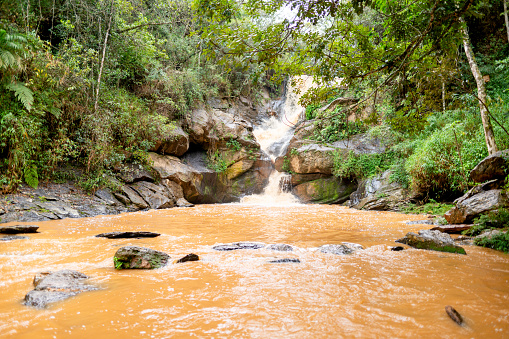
(445, 248)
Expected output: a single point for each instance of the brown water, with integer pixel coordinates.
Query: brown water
(238, 294)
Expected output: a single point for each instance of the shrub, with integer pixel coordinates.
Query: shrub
(361, 165)
(334, 126)
(499, 242)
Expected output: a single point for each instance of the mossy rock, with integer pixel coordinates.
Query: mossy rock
(432, 240)
(134, 257)
(325, 190)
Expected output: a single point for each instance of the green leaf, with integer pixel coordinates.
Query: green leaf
(31, 176)
(23, 93)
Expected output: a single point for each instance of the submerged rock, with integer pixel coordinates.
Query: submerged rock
(189, 257)
(431, 240)
(12, 237)
(284, 261)
(340, 249)
(128, 235)
(280, 247)
(454, 315)
(55, 286)
(17, 229)
(397, 248)
(239, 246)
(134, 257)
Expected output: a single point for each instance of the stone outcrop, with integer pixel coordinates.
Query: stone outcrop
(330, 190)
(495, 166)
(130, 173)
(475, 202)
(55, 286)
(340, 249)
(176, 142)
(431, 240)
(379, 193)
(134, 257)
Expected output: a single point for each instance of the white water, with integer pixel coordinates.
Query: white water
(273, 135)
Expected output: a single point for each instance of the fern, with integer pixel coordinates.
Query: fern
(31, 176)
(23, 93)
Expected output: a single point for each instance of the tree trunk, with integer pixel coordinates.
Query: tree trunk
(481, 91)
(506, 19)
(102, 60)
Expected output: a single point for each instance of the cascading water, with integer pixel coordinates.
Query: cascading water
(273, 135)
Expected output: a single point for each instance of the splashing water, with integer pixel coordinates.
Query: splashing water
(273, 135)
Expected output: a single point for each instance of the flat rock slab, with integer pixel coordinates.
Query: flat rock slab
(239, 246)
(280, 247)
(16, 229)
(431, 240)
(12, 237)
(285, 260)
(340, 249)
(418, 222)
(55, 286)
(134, 257)
(452, 229)
(189, 257)
(128, 235)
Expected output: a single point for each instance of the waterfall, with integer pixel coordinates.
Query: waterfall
(273, 135)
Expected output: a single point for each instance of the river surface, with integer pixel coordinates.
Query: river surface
(238, 294)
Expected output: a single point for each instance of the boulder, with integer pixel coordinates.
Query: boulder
(182, 202)
(397, 248)
(128, 235)
(176, 142)
(130, 173)
(55, 286)
(379, 193)
(340, 249)
(330, 190)
(431, 240)
(239, 246)
(158, 197)
(454, 315)
(16, 229)
(134, 257)
(494, 166)
(470, 206)
(189, 257)
(134, 197)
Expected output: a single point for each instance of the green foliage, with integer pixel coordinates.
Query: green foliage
(431, 207)
(234, 145)
(441, 163)
(117, 263)
(216, 161)
(361, 165)
(499, 242)
(334, 126)
(24, 94)
(31, 176)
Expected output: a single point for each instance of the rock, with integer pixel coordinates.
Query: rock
(16, 229)
(492, 167)
(158, 197)
(331, 190)
(470, 206)
(452, 229)
(122, 198)
(189, 257)
(184, 203)
(12, 237)
(488, 234)
(454, 315)
(128, 235)
(340, 249)
(131, 173)
(280, 247)
(431, 240)
(107, 197)
(60, 208)
(464, 240)
(134, 257)
(379, 193)
(284, 261)
(55, 286)
(175, 143)
(421, 222)
(238, 246)
(134, 197)
(397, 248)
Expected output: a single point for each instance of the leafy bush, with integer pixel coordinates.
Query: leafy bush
(440, 164)
(334, 126)
(431, 207)
(499, 242)
(361, 165)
